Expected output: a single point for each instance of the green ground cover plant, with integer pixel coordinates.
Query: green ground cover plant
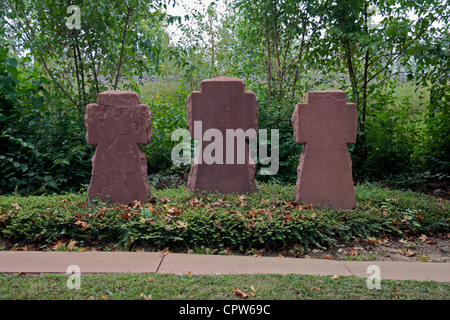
(180, 220)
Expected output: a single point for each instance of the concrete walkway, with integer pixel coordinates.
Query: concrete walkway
(176, 263)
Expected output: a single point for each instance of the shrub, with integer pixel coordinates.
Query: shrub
(178, 218)
(42, 146)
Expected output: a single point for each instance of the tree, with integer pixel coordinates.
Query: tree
(287, 30)
(369, 55)
(117, 39)
(49, 72)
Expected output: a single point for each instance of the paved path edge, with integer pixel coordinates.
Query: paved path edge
(177, 263)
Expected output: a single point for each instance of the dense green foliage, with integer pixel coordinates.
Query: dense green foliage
(397, 72)
(41, 142)
(177, 218)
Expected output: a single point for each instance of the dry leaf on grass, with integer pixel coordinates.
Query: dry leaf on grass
(146, 297)
(244, 293)
(240, 293)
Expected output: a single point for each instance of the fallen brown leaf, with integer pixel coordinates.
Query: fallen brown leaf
(293, 204)
(423, 238)
(327, 257)
(165, 251)
(315, 289)
(145, 296)
(58, 244)
(194, 202)
(16, 206)
(372, 240)
(431, 242)
(126, 215)
(137, 204)
(240, 293)
(83, 224)
(241, 200)
(181, 224)
(24, 248)
(71, 245)
(172, 209)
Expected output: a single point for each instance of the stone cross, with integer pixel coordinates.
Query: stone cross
(117, 124)
(325, 124)
(222, 116)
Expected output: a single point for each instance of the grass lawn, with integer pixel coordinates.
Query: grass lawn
(213, 287)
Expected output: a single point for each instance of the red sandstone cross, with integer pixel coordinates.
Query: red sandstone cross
(222, 104)
(117, 125)
(325, 124)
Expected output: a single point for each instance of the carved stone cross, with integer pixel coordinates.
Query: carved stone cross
(117, 124)
(325, 124)
(222, 116)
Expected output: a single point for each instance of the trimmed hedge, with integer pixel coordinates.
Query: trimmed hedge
(178, 218)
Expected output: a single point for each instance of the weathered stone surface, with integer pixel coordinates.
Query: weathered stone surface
(117, 124)
(325, 124)
(222, 104)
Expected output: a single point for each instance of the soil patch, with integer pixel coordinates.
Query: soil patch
(423, 247)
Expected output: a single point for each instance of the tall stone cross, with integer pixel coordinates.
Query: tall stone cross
(325, 124)
(117, 124)
(222, 117)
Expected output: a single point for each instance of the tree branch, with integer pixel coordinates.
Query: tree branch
(57, 83)
(127, 20)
